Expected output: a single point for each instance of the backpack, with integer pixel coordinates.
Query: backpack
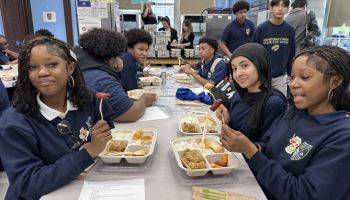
(312, 33)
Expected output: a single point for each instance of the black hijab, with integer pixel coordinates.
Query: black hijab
(259, 56)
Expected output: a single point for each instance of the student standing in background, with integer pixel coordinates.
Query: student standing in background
(170, 31)
(148, 16)
(279, 39)
(304, 23)
(239, 31)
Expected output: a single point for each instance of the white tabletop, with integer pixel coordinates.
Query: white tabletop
(160, 180)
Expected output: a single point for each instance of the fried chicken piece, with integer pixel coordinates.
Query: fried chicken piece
(117, 146)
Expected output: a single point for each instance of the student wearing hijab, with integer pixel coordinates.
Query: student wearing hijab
(54, 129)
(256, 103)
(306, 152)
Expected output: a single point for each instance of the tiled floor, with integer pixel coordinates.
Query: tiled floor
(3, 185)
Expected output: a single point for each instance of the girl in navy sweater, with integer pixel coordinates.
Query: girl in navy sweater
(306, 152)
(53, 131)
(256, 104)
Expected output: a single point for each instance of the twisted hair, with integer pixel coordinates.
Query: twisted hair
(332, 61)
(25, 94)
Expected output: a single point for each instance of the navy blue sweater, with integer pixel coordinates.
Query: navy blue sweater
(239, 110)
(4, 99)
(129, 75)
(307, 157)
(36, 156)
(279, 41)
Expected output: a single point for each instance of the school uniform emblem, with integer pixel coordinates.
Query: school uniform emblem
(275, 47)
(294, 142)
(302, 151)
(83, 133)
(297, 148)
(247, 31)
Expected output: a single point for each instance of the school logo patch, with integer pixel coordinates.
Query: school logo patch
(84, 133)
(302, 151)
(275, 47)
(297, 148)
(247, 31)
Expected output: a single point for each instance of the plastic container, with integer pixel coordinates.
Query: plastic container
(202, 123)
(144, 139)
(150, 80)
(209, 156)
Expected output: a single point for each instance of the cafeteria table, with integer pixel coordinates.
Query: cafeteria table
(163, 178)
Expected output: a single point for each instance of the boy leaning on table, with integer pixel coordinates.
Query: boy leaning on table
(211, 68)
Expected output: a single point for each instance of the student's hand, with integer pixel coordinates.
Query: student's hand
(100, 135)
(222, 114)
(187, 69)
(139, 85)
(182, 61)
(148, 98)
(237, 142)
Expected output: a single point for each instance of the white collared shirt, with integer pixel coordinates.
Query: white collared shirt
(50, 113)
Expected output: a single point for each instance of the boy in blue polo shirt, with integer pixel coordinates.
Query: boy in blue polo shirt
(6, 55)
(239, 31)
(138, 42)
(212, 67)
(277, 37)
(99, 60)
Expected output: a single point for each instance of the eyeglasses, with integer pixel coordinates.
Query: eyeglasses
(64, 128)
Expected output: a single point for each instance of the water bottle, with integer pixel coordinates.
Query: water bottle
(163, 76)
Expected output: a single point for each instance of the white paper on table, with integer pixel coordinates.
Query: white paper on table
(113, 190)
(153, 113)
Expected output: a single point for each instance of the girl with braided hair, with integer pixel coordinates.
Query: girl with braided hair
(306, 152)
(53, 131)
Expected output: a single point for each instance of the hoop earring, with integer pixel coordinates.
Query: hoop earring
(71, 82)
(330, 95)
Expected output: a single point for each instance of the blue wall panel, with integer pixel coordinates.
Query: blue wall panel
(58, 28)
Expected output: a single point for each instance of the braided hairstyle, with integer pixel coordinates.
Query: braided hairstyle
(25, 94)
(332, 61)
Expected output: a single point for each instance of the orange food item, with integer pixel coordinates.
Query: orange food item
(215, 166)
(137, 135)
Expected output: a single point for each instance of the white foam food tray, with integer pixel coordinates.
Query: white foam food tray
(150, 80)
(182, 144)
(134, 143)
(136, 94)
(196, 124)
